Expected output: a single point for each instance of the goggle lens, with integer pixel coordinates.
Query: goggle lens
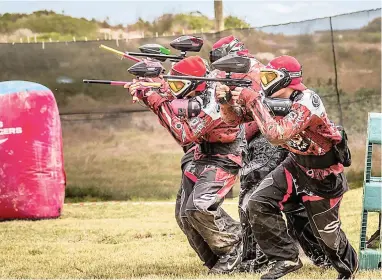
(176, 86)
(267, 77)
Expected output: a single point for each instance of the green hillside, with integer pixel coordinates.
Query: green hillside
(194, 21)
(48, 24)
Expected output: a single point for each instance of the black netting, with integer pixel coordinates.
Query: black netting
(357, 44)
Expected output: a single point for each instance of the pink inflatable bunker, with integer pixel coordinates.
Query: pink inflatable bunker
(32, 178)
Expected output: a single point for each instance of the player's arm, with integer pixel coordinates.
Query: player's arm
(277, 131)
(186, 130)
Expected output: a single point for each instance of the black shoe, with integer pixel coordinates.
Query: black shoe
(322, 262)
(277, 269)
(348, 275)
(227, 263)
(344, 276)
(252, 266)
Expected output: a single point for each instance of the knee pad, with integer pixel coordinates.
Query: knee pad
(258, 207)
(195, 216)
(205, 202)
(329, 231)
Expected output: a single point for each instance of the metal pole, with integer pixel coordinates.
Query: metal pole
(335, 73)
(219, 20)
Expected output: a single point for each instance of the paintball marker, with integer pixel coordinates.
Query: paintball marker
(229, 64)
(183, 43)
(119, 83)
(143, 69)
(123, 55)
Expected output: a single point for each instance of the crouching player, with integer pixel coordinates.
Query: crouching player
(260, 158)
(312, 172)
(193, 118)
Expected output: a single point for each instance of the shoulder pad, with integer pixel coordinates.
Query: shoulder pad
(312, 101)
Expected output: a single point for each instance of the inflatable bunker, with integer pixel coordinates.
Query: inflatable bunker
(32, 177)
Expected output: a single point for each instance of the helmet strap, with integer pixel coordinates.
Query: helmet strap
(289, 76)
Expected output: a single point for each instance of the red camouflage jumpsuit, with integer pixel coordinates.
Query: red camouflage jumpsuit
(208, 178)
(252, 174)
(306, 131)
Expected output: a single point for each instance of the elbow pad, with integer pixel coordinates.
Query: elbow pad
(278, 106)
(186, 108)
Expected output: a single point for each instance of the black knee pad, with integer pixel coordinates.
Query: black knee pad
(258, 207)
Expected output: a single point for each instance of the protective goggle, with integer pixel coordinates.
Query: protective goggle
(269, 76)
(179, 88)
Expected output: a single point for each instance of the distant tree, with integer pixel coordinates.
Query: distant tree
(373, 26)
(140, 25)
(234, 22)
(162, 24)
(193, 21)
(105, 24)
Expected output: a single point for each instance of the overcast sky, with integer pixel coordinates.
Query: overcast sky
(256, 13)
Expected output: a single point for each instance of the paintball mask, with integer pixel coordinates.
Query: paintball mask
(181, 88)
(281, 72)
(190, 66)
(274, 80)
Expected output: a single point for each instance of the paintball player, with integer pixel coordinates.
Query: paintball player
(311, 173)
(193, 118)
(260, 158)
(195, 240)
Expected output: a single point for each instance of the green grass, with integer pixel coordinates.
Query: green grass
(128, 240)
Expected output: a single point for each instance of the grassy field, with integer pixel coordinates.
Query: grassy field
(130, 240)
